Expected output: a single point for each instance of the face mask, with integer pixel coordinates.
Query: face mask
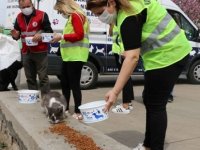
(107, 17)
(27, 11)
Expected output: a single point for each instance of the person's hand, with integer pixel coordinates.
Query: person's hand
(37, 37)
(110, 99)
(56, 37)
(15, 34)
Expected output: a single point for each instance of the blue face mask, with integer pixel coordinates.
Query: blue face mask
(107, 17)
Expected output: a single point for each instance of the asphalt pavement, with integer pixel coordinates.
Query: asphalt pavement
(123, 131)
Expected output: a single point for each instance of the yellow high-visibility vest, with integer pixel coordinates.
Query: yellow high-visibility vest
(76, 51)
(163, 42)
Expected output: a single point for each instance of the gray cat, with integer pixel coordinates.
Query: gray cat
(54, 105)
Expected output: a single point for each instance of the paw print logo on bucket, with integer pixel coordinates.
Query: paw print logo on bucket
(29, 41)
(47, 37)
(28, 96)
(93, 111)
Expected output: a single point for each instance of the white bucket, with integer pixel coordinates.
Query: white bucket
(28, 96)
(47, 37)
(29, 41)
(93, 111)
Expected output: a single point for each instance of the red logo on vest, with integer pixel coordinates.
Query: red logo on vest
(34, 24)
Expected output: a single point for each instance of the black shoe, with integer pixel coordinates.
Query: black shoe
(170, 99)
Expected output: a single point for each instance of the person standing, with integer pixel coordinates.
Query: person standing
(146, 29)
(127, 92)
(74, 46)
(31, 23)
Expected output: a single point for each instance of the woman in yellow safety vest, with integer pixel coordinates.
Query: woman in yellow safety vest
(146, 29)
(74, 46)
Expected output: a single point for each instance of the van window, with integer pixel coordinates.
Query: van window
(184, 24)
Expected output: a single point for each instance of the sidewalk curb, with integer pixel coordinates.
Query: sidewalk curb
(29, 128)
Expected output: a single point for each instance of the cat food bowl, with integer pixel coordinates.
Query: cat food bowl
(93, 111)
(28, 96)
(29, 41)
(47, 37)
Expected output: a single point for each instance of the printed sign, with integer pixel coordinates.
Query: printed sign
(58, 22)
(8, 11)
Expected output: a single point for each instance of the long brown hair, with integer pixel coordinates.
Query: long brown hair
(124, 5)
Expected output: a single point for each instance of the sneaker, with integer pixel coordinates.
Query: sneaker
(130, 106)
(139, 147)
(170, 99)
(120, 110)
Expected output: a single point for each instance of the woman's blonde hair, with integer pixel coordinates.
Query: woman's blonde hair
(69, 7)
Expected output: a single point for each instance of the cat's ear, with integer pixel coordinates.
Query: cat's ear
(60, 109)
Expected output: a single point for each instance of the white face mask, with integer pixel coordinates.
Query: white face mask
(27, 11)
(107, 17)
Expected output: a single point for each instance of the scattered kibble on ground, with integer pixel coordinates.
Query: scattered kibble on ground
(80, 141)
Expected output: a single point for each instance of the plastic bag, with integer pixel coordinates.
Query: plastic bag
(9, 51)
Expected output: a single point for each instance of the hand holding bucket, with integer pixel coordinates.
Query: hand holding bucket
(110, 99)
(93, 111)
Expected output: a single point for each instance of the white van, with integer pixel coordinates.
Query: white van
(192, 69)
(101, 60)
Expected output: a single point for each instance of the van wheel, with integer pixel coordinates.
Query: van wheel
(194, 73)
(89, 76)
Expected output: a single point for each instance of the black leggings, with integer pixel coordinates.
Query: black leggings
(70, 80)
(158, 85)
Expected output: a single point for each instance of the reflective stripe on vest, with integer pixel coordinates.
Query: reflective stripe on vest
(81, 44)
(28, 33)
(152, 42)
(67, 45)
